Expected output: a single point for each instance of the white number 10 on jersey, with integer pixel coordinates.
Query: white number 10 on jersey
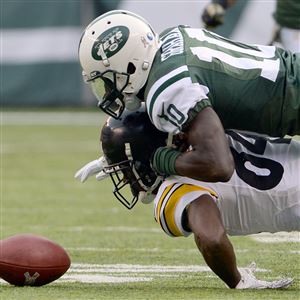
(269, 67)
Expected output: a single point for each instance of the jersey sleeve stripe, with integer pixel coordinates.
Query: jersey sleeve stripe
(169, 211)
(161, 84)
(166, 208)
(160, 201)
(164, 86)
(161, 206)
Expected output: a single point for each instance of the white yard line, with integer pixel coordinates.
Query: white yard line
(94, 278)
(182, 250)
(279, 237)
(127, 268)
(119, 273)
(87, 273)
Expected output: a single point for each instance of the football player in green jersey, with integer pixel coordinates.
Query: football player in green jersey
(192, 81)
(286, 15)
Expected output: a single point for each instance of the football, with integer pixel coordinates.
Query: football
(27, 259)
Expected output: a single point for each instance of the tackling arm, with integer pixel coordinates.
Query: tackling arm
(210, 158)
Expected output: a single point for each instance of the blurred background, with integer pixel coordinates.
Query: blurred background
(39, 41)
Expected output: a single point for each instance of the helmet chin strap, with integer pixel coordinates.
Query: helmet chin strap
(132, 102)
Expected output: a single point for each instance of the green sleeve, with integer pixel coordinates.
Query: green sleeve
(193, 112)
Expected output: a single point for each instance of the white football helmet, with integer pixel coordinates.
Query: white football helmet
(116, 52)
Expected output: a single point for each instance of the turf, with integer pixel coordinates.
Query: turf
(39, 195)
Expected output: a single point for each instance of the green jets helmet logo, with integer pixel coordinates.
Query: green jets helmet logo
(110, 42)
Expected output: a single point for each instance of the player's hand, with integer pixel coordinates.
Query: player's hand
(249, 281)
(180, 142)
(213, 15)
(91, 168)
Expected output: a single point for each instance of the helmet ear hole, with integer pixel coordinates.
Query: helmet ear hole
(131, 68)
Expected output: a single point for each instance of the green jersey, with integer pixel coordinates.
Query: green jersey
(251, 87)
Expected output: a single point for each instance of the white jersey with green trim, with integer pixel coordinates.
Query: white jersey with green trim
(247, 85)
(263, 194)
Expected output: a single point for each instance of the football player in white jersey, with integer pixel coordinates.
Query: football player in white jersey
(263, 194)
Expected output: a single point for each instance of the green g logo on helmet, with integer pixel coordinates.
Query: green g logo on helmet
(110, 42)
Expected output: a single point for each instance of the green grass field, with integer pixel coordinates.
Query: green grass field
(115, 253)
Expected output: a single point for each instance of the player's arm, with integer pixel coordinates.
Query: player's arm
(204, 220)
(210, 158)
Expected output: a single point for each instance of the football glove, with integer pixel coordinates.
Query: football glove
(94, 167)
(213, 15)
(249, 281)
